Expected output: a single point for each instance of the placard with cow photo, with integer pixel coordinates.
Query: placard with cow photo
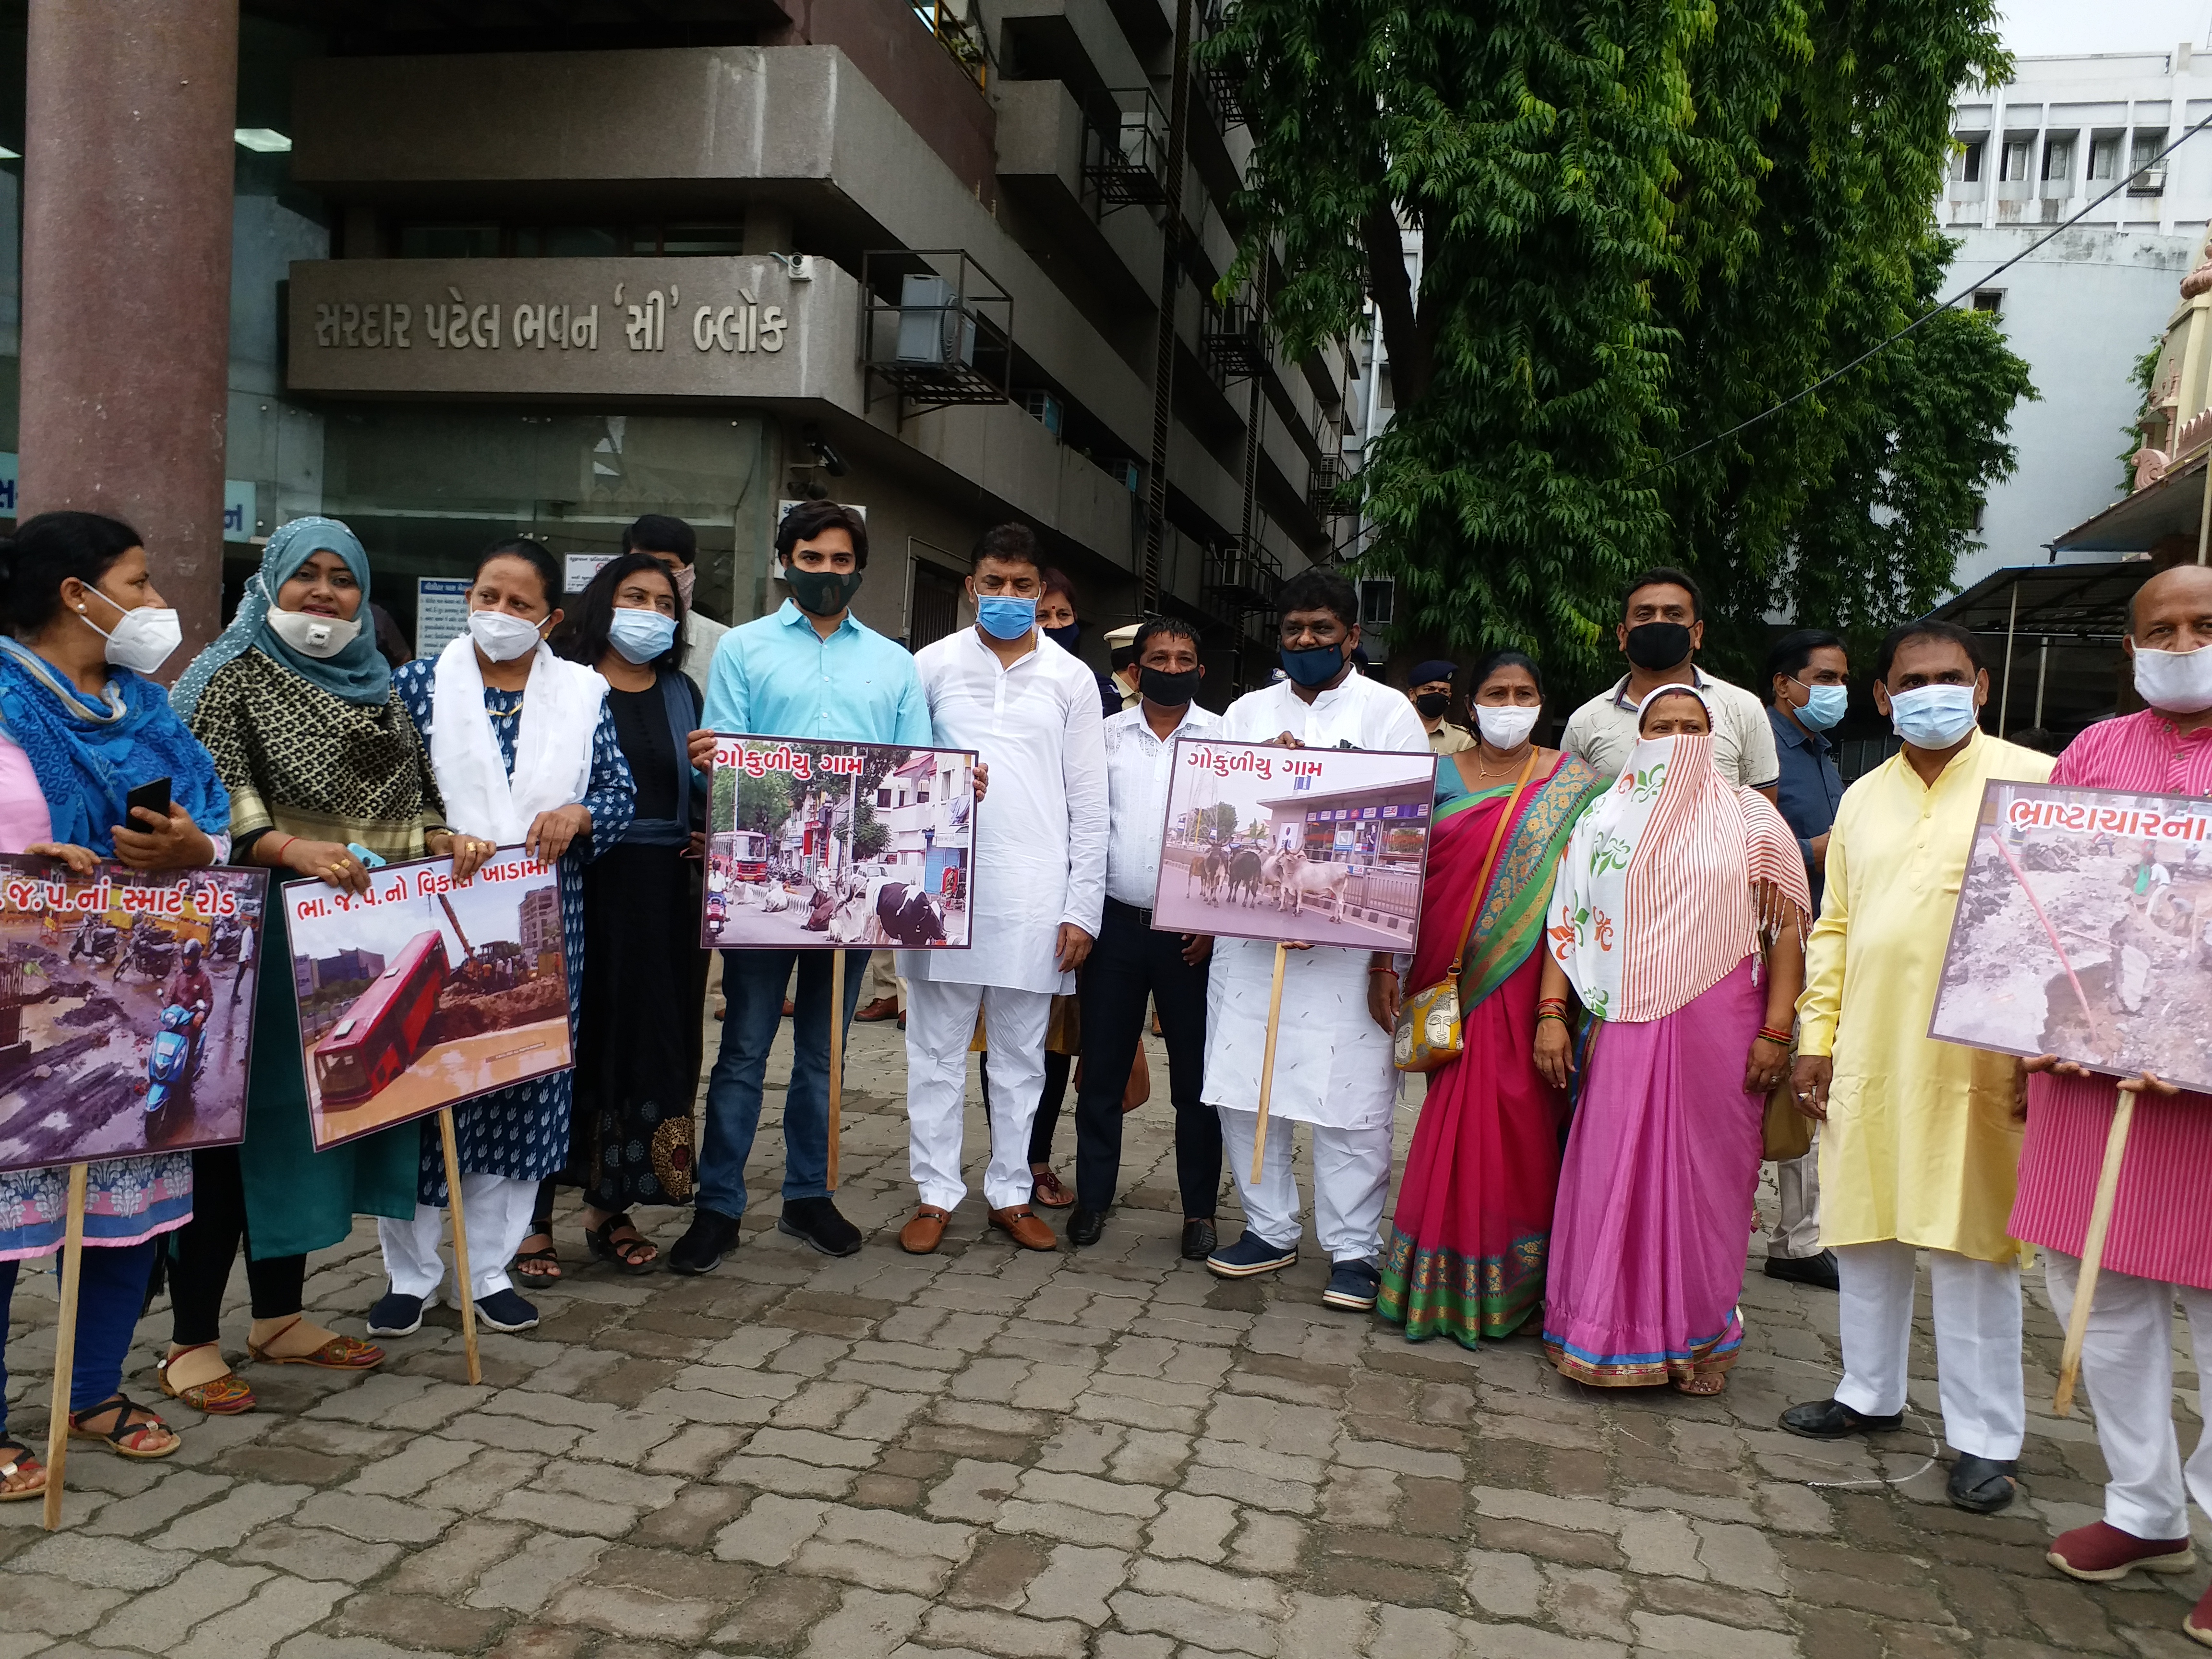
(812, 846)
(1303, 846)
(426, 991)
(126, 1009)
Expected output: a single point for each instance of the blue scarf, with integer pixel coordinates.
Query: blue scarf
(89, 754)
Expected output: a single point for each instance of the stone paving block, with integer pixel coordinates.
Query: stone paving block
(559, 1511)
(781, 1608)
(867, 1625)
(158, 1624)
(770, 1532)
(1195, 1622)
(180, 1490)
(1502, 1584)
(784, 1474)
(998, 1574)
(524, 1581)
(279, 1608)
(413, 1623)
(1077, 1583)
(1193, 1527)
(56, 1606)
(516, 1434)
(112, 1563)
(482, 1481)
(625, 1610)
(693, 1517)
(1663, 1633)
(372, 1519)
(459, 1556)
(314, 1553)
(1007, 1634)
(693, 1450)
(1084, 1492)
(223, 1524)
(414, 1466)
(1592, 1601)
(882, 1551)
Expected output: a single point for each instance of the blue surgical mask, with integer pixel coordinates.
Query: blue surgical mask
(1315, 667)
(1932, 716)
(1825, 705)
(1004, 617)
(641, 636)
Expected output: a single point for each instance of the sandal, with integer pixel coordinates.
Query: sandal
(1704, 1387)
(340, 1353)
(537, 1268)
(16, 1463)
(1048, 1191)
(622, 1252)
(224, 1394)
(116, 1437)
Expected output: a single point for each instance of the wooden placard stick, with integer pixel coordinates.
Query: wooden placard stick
(460, 1243)
(836, 1058)
(58, 1420)
(2092, 1250)
(1267, 1061)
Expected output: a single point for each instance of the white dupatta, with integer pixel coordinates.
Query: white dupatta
(560, 706)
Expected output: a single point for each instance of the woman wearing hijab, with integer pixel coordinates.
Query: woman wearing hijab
(526, 754)
(1468, 1242)
(80, 728)
(645, 982)
(296, 702)
(1678, 918)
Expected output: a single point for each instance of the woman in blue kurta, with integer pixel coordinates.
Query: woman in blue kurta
(525, 754)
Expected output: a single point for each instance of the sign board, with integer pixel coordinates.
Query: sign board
(239, 523)
(441, 612)
(813, 845)
(126, 1009)
(1304, 845)
(578, 569)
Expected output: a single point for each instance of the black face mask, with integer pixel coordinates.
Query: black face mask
(1168, 691)
(1431, 704)
(821, 592)
(1658, 644)
(1065, 638)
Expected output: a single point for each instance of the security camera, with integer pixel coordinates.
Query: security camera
(831, 461)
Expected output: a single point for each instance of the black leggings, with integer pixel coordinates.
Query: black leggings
(206, 1246)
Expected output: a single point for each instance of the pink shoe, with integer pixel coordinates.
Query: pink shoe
(2100, 1552)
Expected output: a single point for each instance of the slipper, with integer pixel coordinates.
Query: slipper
(622, 1252)
(225, 1394)
(124, 1429)
(537, 1268)
(15, 1459)
(1047, 1192)
(340, 1353)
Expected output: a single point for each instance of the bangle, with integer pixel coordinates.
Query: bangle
(1772, 1036)
(1559, 1003)
(279, 857)
(1393, 972)
(1551, 1013)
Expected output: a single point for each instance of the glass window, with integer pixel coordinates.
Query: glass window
(2104, 157)
(449, 241)
(1968, 169)
(2058, 159)
(2016, 161)
(703, 239)
(2146, 146)
(568, 241)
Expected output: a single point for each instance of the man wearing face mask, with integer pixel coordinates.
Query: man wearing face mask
(1430, 691)
(1332, 1066)
(2159, 1246)
(1807, 677)
(810, 669)
(675, 546)
(1920, 1145)
(1662, 627)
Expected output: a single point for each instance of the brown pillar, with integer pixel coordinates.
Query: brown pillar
(129, 112)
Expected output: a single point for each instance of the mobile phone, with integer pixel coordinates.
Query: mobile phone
(153, 795)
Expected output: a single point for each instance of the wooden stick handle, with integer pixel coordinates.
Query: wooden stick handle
(460, 1244)
(57, 1419)
(837, 1059)
(1267, 1063)
(2093, 1251)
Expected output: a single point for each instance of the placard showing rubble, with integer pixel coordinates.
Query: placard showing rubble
(2084, 930)
(1304, 846)
(126, 1009)
(425, 990)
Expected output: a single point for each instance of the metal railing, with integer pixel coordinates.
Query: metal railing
(1125, 149)
(936, 327)
(1243, 575)
(1231, 342)
(960, 32)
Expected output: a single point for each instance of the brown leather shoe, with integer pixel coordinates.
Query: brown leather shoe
(923, 1234)
(1021, 1225)
(881, 1008)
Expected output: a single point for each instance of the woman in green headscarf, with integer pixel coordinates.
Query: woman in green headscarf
(296, 703)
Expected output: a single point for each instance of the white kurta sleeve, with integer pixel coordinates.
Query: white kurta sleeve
(1083, 762)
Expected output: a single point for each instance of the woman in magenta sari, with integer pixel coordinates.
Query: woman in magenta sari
(1468, 1242)
(1676, 891)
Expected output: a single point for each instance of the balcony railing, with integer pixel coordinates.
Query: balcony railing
(1242, 575)
(1324, 487)
(961, 33)
(1224, 76)
(1125, 149)
(937, 328)
(1229, 338)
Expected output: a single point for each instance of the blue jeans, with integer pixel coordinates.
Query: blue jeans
(752, 985)
(111, 1288)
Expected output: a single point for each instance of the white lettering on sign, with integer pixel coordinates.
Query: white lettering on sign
(648, 327)
(749, 327)
(457, 324)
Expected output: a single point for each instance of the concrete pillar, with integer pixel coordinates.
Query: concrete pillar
(129, 112)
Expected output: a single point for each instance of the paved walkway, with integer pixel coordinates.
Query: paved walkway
(1105, 1453)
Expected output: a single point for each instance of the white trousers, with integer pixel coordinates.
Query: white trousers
(940, 1023)
(1351, 1179)
(495, 1210)
(2127, 1361)
(1796, 1231)
(1978, 1315)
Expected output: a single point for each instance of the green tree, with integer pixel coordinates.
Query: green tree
(1225, 820)
(764, 802)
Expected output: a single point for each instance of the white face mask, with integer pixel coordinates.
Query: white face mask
(2175, 681)
(143, 640)
(311, 635)
(1506, 726)
(502, 637)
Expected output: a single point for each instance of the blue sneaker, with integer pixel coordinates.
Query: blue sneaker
(1354, 1285)
(395, 1315)
(1250, 1254)
(503, 1310)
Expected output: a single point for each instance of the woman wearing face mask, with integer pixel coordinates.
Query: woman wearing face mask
(526, 754)
(80, 728)
(296, 703)
(638, 1036)
(1466, 1255)
(1679, 918)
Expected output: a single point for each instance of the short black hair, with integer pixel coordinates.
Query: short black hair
(532, 553)
(1010, 543)
(1508, 659)
(1054, 580)
(656, 532)
(584, 636)
(1173, 627)
(1666, 575)
(47, 550)
(1927, 628)
(1316, 589)
(1793, 651)
(810, 519)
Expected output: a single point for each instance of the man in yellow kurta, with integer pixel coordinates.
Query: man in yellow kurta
(1922, 1146)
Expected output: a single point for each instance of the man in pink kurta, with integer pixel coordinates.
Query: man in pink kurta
(2159, 1245)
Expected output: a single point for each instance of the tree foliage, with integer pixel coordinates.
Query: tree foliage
(1640, 222)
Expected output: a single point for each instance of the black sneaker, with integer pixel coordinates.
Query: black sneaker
(503, 1310)
(1817, 1270)
(813, 1221)
(395, 1315)
(711, 1237)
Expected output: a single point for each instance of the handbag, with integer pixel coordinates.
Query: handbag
(1785, 1133)
(1430, 1033)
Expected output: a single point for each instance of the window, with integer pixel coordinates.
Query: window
(2014, 167)
(569, 241)
(1968, 169)
(2105, 158)
(2146, 147)
(532, 241)
(2058, 159)
(1990, 300)
(449, 241)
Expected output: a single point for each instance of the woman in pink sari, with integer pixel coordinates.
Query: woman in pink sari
(1467, 1241)
(1676, 891)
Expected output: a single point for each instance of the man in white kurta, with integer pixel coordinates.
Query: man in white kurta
(1030, 711)
(1332, 1063)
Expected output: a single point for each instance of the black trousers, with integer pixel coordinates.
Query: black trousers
(207, 1245)
(1129, 967)
(1056, 1068)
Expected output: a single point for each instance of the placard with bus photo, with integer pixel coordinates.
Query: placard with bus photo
(427, 990)
(814, 845)
(1307, 845)
(2084, 930)
(126, 1009)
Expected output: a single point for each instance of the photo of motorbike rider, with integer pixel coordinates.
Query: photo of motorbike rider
(189, 986)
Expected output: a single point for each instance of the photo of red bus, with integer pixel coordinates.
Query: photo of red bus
(378, 1037)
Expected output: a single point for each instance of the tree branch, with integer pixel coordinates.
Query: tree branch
(1412, 348)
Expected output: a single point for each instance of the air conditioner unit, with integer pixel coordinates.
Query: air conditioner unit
(2151, 181)
(1136, 139)
(934, 327)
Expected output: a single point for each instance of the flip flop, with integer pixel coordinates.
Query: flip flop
(530, 1267)
(113, 1438)
(15, 1459)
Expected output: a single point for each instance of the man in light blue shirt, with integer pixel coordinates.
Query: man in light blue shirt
(812, 669)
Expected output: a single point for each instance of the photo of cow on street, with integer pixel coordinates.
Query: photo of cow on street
(1309, 846)
(816, 845)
